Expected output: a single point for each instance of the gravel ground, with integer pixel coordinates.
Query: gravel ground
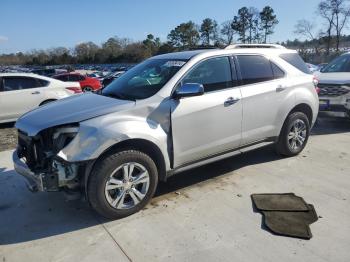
(8, 137)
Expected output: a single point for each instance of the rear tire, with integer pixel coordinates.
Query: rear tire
(294, 135)
(122, 183)
(87, 89)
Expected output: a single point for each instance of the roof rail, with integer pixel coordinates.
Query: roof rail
(236, 46)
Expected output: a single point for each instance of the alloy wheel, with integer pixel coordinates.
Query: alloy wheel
(127, 185)
(87, 89)
(297, 134)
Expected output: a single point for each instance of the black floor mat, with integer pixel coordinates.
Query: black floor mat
(279, 202)
(286, 214)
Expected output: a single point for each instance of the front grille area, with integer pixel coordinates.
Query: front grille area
(333, 90)
(34, 150)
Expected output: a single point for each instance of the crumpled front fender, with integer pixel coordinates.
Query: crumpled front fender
(97, 135)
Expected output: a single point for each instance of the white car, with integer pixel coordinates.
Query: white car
(22, 92)
(334, 85)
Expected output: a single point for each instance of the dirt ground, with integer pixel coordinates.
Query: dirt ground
(8, 137)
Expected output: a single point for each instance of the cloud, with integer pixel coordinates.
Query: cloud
(3, 38)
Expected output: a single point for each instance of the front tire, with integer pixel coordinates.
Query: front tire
(294, 135)
(122, 183)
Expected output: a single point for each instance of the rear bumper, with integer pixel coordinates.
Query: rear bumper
(34, 181)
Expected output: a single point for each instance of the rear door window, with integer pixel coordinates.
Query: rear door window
(19, 83)
(254, 69)
(295, 60)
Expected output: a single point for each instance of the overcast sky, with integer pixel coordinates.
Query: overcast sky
(36, 24)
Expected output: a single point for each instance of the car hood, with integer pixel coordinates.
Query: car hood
(73, 109)
(333, 78)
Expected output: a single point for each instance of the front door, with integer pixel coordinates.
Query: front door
(210, 124)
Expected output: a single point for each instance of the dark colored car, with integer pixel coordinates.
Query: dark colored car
(111, 77)
(87, 84)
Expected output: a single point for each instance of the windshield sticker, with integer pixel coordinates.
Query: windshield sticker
(175, 63)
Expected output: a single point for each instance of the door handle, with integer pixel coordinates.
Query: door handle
(231, 101)
(36, 93)
(280, 88)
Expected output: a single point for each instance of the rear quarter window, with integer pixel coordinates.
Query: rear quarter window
(42, 82)
(277, 72)
(295, 60)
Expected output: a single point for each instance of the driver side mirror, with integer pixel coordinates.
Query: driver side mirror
(188, 90)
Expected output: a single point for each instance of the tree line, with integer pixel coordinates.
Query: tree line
(323, 41)
(248, 25)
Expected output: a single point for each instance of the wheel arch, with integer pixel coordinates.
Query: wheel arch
(47, 101)
(304, 108)
(301, 107)
(141, 145)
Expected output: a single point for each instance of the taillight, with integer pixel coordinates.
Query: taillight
(76, 90)
(315, 81)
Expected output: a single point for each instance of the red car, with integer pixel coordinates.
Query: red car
(87, 84)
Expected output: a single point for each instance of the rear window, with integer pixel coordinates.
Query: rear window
(295, 60)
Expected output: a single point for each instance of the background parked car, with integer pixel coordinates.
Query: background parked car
(97, 75)
(111, 77)
(334, 84)
(312, 68)
(87, 84)
(48, 72)
(321, 66)
(22, 92)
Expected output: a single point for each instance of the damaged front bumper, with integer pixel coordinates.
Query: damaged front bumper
(62, 176)
(34, 181)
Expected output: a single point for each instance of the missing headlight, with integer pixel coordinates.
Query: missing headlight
(62, 136)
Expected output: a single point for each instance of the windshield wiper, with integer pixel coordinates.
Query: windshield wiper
(120, 96)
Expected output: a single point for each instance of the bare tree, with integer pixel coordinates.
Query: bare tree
(326, 12)
(307, 29)
(341, 14)
(227, 32)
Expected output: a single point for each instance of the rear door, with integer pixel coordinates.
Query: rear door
(263, 91)
(206, 125)
(19, 95)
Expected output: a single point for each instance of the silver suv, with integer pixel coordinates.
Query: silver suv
(170, 113)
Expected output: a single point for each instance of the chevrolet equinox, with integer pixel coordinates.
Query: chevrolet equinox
(168, 114)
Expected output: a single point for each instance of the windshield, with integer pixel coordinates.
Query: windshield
(340, 64)
(144, 80)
